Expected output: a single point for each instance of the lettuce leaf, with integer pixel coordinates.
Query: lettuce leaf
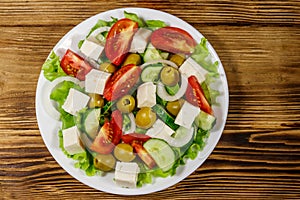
(197, 146)
(155, 24)
(134, 18)
(51, 67)
(84, 161)
(60, 93)
(203, 57)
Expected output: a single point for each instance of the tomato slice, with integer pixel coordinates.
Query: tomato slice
(173, 39)
(116, 125)
(143, 154)
(74, 65)
(129, 138)
(119, 39)
(121, 82)
(195, 95)
(102, 143)
(109, 135)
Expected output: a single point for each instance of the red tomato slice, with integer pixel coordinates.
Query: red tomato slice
(102, 143)
(143, 154)
(74, 65)
(173, 39)
(129, 138)
(109, 135)
(116, 126)
(121, 82)
(195, 95)
(119, 39)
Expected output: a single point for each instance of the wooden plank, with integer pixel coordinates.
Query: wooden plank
(61, 13)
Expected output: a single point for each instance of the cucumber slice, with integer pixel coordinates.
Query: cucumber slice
(91, 123)
(151, 73)
(205, 121)
(181, 137)
(151, 54)
(161, 152)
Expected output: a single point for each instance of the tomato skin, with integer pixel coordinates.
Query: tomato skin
(173, 39)
(129, 138)
(102, 143)
(143, 154)
(119, 39)
(74, 65)
(121, 82)
(195, 95)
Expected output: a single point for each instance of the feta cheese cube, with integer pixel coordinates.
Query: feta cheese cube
(72, 143)
(146, 95)
(187, 115)
(75, 101)
(191, 67)
(95, 81)
(91, 49)
(140, 40)
(160, 130)
(126, 174)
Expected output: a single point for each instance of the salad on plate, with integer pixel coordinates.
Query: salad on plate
(134, 98)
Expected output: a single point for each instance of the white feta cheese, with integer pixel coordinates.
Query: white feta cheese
(95, 81)
(191, 67)
(72, 143)
(140, 40)
(126, 174)
(91, 49)
(146, 95)
(160, 130)
(187, 115)
(75, 101)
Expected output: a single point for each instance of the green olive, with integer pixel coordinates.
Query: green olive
(105, 162)
(169, 76)
(126, 104)
(177, 59)
(133, 58)
(96, 101)
(173, 107)
(107, 67)
(145, 118)
(124, 152)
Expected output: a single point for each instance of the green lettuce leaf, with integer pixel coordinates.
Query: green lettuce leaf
(155, 24)
(134, 18)
(197, 146)
(51, 67)
(84, 160)
(59, 94)
(203, 57)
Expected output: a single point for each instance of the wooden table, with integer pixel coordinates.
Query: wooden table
(258, 155)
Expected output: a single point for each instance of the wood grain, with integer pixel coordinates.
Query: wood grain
(258, 156)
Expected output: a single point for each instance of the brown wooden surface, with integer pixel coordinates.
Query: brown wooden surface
(258, 42)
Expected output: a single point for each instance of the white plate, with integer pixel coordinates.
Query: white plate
(49, 127)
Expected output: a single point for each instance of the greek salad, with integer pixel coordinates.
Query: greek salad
(134, 99)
